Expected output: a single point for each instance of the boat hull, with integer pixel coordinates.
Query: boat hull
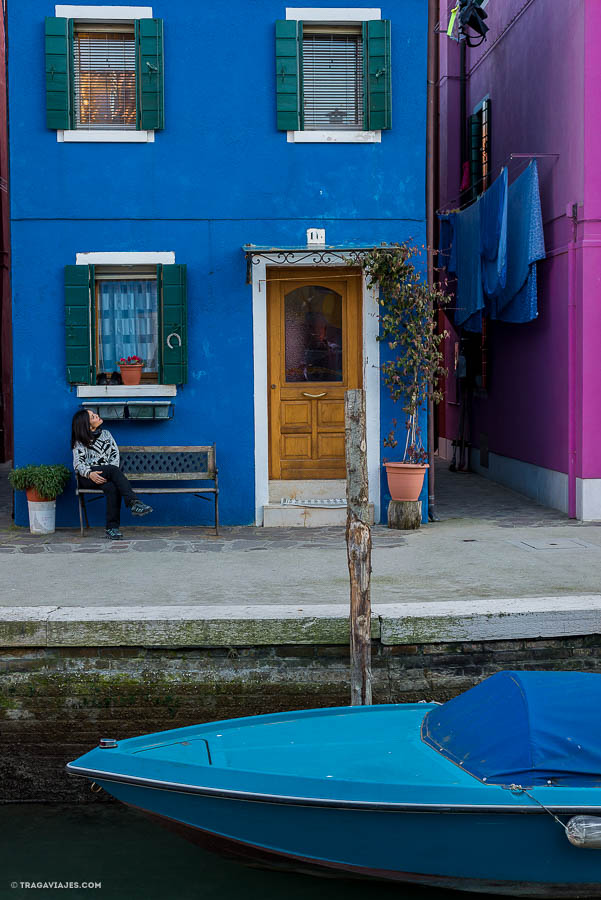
(264, 858)
(504, 853)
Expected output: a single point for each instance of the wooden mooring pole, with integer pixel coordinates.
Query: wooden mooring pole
(358, 545)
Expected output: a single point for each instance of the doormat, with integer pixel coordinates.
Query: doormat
(335, 503)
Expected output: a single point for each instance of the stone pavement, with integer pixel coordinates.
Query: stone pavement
(490, 543)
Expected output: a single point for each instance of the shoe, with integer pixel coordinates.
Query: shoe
(140, 509)
(113, 534)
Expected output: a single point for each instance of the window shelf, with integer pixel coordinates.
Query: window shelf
(132, 410)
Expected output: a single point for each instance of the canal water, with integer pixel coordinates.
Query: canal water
(127, 857)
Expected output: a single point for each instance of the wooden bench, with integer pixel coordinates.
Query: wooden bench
(162, 464)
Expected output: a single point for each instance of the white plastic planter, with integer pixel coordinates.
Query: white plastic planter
(42, 516)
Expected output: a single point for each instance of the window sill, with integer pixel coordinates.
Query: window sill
(124, 390)
(334, 137)
(81, 136)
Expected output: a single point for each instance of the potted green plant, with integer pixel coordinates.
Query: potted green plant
(131, 369)
(42, 484)
(408, 325)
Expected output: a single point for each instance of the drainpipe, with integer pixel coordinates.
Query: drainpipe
(431, 171)
(572, 364)
(462, 105)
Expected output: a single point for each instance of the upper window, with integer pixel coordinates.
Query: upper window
(333, 76)
(332, 64)
(104, 76)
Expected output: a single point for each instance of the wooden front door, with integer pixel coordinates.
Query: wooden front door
(315, 355)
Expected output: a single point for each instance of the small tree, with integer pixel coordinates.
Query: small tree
(408, 324)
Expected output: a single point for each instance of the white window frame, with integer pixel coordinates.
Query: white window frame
(350, 16)
(126, 258)
(99, 14)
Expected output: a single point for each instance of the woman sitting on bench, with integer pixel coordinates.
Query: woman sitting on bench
(96, 462)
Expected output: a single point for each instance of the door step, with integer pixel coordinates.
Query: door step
(307, 503)
(296, 515)
(307, 489)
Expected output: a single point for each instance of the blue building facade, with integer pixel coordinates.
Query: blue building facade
(213, 157)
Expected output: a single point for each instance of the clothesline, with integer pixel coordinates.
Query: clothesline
(523, 157)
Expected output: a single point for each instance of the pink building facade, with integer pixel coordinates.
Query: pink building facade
(535, 418)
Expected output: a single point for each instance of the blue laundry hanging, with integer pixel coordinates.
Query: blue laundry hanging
(446, 243)
(470, 296)
(517, 301)
(493, 239)
(494, 246)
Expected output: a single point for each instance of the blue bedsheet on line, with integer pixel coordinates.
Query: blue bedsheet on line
(470, 297)
(493, 237)
(517, 302)
(493, 247)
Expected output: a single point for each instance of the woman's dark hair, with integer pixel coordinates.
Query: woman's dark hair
(80, 429)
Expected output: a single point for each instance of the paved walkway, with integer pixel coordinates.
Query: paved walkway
(490, 543)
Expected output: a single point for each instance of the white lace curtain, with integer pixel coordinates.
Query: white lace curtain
(128, 323)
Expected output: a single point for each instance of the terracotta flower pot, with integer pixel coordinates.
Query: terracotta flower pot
(405, 480)
(131, 374)
(34, 497)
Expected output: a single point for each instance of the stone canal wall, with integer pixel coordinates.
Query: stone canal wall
(69, 676)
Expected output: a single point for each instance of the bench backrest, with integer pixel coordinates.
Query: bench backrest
(168, 463)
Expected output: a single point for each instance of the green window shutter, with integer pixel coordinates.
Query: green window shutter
(475, 137)
(173, 332)
(58, 73)
(80, 338)
(378, 81)
(150, 74)
(288, 40)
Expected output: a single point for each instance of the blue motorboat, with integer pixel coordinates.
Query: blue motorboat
(497, 790)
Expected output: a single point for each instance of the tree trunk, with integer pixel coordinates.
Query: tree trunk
(404, 514)
(358, 544)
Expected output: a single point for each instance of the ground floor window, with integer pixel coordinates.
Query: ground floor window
(127, 323)
(119, 311)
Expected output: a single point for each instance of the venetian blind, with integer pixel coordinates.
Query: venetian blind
(332, 80)
(105, 79)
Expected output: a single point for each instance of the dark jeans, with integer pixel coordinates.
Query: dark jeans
(115, 487)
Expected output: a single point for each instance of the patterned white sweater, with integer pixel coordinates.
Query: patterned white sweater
(102, 452)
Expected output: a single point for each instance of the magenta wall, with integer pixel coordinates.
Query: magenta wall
(532, 67)
(588, 388)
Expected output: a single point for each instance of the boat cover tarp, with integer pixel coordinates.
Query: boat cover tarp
(523, 728)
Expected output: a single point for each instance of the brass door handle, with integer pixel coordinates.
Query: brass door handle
(305, 394)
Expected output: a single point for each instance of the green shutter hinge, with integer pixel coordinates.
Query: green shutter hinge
(380, 72)
(52, 71)
(152, 69)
